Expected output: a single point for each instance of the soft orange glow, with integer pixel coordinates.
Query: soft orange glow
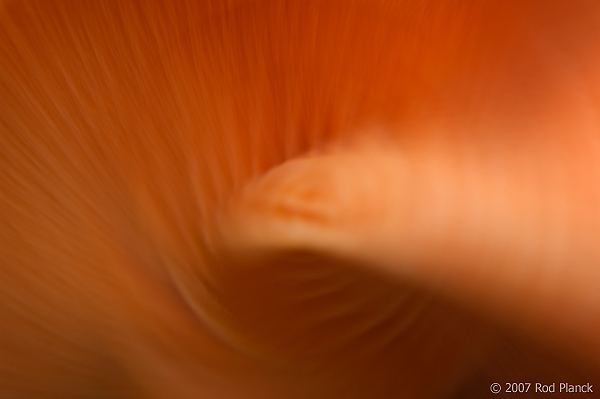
(298, 199)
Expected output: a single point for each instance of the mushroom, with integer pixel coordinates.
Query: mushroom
(299, 199)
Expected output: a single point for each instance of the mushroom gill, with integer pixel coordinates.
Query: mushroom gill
(298, 199)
